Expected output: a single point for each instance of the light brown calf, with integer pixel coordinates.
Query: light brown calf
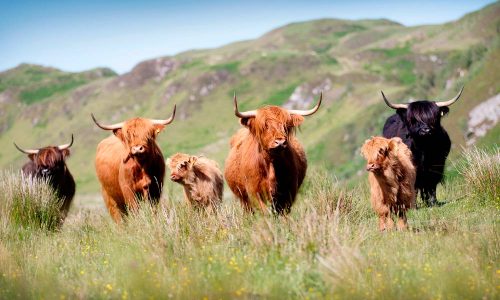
(392, 179)
(201, 178)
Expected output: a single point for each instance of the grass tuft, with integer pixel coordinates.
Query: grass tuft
(28, 202)
(481, 170)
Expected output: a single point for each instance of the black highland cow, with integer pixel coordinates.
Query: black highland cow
(418, 124)
(48, 163)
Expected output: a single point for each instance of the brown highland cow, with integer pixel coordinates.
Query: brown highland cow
(130, 165)
(201, 178)
(266, 162)
(392, 179)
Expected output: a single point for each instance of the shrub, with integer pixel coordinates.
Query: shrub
(481, 172)
(28, 202)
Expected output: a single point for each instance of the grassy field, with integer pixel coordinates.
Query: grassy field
(328, 248)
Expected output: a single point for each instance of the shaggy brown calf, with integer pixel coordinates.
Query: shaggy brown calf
(392, 179)
(130, 165)
(49, 163)
(266, 162)
(201, 178)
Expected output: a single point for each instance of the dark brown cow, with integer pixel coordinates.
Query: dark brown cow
(266, 162)
(48, 163)
(130, 165)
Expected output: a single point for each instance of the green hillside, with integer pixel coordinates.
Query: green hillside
(351, 61)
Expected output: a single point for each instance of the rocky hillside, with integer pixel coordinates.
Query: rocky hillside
(351, 61)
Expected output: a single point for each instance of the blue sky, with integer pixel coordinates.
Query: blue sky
(80, 35)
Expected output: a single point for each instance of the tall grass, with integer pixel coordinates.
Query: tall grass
(28, 202)
(481, 173)
(327, 248)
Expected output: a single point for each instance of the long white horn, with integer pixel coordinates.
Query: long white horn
(451, 101)
(167, 121)
(245, 114)
(27, 151)
(395, 106)
(307, 112)
(66, 146)
(107, 127)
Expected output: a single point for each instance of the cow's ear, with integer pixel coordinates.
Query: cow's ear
(296, 120)
(31, 156)
(65, 153)
(192, 159)
(158, 128)
(362, 150)
(247, 122)
(393, 144)
(444, 110)
(118, 133)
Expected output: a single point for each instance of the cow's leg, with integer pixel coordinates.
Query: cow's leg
(245, 202)
(262, 204)
(402, 221)
(282, 204)
(381, 222)
(131, 199)
(385, 221)
(389, 223)
(429, 196)
(113, 207)
(432, 197)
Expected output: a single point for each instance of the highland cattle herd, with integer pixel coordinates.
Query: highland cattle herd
(265, 166)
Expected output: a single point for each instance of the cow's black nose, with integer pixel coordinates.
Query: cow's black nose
(139, 149)
(280, 142)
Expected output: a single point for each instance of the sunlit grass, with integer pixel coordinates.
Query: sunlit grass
(28, 202)
(327, 248)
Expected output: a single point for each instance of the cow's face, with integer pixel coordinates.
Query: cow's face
(180, 165)
(376, 151)
(138, 136)
(49, 162)
(272, 126)
(422, 118)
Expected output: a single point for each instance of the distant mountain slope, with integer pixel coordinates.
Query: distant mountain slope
(351, 61)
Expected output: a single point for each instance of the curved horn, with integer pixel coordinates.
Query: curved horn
(310, 111)
(28, 151)
(245, 114)
(395, 106)
(107, 127)
(167, 121)
(451, 101)
(66, 146)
